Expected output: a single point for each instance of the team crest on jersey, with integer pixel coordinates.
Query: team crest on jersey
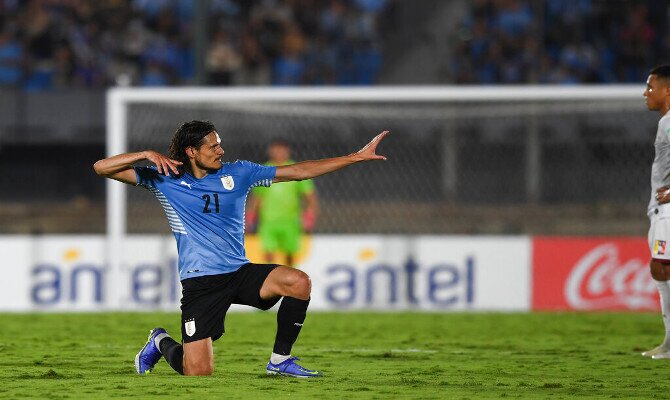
(189, 327)
(228, 182)
(659, 247)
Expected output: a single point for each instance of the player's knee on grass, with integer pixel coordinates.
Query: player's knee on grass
(198, 358)
(198, 367)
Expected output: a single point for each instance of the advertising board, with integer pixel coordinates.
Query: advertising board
(357, 272)
(592, 274)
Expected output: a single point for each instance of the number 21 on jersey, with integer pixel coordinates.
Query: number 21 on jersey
(208, 200)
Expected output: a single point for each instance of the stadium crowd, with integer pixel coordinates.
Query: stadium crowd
(54, 44)
(560, 41)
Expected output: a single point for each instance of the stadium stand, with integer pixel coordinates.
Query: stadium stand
(559, 41)
(54, 44)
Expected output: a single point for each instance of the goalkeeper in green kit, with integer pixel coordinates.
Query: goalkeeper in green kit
(282, 213)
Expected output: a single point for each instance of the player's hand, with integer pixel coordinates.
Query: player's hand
(163, 164)
(369, 152)
(663, 195)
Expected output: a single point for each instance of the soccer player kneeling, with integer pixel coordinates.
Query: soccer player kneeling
(204, 200)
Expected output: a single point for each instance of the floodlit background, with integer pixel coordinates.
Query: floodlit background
(538, 202)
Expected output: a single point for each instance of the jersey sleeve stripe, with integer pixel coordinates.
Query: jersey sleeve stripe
(263, 182)
(173, 219)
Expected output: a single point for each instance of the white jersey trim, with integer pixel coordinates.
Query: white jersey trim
(173, 219)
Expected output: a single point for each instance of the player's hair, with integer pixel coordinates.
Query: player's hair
(189, 134)
(662, 71)
(280, 141)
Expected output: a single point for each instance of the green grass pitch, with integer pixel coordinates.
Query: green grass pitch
(363, 355)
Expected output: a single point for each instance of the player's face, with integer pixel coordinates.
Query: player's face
(279, 153)
(655, 93)
(210, 153)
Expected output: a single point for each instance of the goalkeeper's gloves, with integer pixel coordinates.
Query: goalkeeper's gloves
(308, 221)
(250, 220)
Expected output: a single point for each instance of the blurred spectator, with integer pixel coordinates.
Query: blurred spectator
(64, 66)
(371, 6)
(635, 42)
(513, 18)
(39, 32)
(289, 67)
(255, 69)
(320, 62)
(367, 63)
(223, 60)
(11, 55)
(333, 18)
(154, 75)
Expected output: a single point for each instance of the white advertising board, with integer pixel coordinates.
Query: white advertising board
(420, 273)
(351, 272)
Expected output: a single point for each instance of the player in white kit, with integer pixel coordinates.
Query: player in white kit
(657, 95)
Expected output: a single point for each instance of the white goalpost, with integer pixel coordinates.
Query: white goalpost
(443, 138)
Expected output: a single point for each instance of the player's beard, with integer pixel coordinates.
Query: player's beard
(213, 166)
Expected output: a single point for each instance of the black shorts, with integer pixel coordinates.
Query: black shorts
(206, 299)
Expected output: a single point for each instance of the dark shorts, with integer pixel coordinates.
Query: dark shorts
(206, 299)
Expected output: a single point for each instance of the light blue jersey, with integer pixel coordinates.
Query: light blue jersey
(207, 215)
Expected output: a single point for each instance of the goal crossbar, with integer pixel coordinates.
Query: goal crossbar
(119, 99)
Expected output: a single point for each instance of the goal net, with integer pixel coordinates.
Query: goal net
(463, 160)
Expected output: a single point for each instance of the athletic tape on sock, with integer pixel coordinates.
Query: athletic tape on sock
(157, 340)
(278, 358)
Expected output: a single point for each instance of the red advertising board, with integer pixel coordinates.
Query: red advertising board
(592, 274)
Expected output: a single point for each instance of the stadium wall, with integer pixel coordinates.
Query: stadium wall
(349, 272)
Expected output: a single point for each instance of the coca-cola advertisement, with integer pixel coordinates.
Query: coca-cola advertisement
(592, 274)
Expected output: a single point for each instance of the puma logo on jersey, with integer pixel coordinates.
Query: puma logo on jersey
(185, 184)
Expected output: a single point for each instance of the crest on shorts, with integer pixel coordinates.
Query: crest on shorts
(189, 327)
(228, 182)
(659, 247)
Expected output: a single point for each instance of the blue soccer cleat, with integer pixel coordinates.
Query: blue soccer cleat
(150, 354)
(290, 368)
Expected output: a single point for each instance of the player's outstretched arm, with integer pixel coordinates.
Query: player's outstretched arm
(120, 167)
(311, 169)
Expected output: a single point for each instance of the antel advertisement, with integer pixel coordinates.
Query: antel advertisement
(356, 272)
(592, 274)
